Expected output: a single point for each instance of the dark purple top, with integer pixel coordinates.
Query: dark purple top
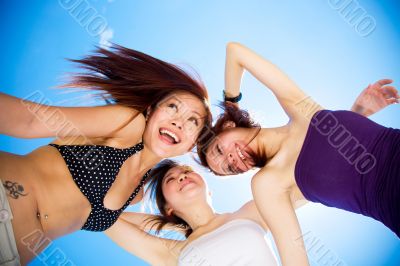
(352, 163)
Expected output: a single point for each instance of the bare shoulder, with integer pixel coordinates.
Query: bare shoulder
(132, 130)
(249, 211)
(305, 109)
(273, 176)
(128, 117)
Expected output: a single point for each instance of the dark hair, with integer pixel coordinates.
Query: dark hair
(135, 79)
(157, 175)
(241, 118)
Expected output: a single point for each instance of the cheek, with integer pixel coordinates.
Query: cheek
(171, 197)
(200, 179)
(157, 117)
(152, 124)
(227, 139)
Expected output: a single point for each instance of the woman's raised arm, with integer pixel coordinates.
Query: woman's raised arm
(240, 58)
(26, 119)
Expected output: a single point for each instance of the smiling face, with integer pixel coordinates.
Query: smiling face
(174, 125)
(231, 152)
(181, 186)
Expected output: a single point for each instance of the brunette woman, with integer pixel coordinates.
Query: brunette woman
(338, 158)
(100, 158)
(182, 197)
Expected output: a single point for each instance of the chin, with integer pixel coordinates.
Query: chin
(192, 193)
(163, 151)
(164, 154)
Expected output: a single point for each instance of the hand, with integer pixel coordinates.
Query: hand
(376, 97)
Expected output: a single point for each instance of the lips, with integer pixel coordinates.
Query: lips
(168, 136)
(185, 183)
(245, 161)
(239, 152)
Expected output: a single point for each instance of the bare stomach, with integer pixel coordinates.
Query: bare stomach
(44, 200)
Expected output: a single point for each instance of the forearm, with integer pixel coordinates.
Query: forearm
(141, 220)
(240, 58)
(16, 115)
(152, 249)
(146, 221)
(264, 71)
(233, 72)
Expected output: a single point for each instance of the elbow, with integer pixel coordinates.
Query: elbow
(232, 47)
(234, 52)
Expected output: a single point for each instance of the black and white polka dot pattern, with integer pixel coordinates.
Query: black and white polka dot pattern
(94, 169)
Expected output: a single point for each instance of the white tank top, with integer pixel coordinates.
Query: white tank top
(239, 242)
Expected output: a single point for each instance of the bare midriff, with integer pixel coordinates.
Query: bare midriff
(50, 204)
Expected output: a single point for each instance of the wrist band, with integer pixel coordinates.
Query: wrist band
(232, 99)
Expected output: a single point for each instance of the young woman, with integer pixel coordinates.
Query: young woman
(100, 159)
(337, 158)
(182, 198)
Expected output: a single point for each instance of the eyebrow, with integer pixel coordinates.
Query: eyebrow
(201, 117)
(197, 113)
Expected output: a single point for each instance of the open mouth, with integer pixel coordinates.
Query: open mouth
(239, 152)
(245, 158)
(168, 136)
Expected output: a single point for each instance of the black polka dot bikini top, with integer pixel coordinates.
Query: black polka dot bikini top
(94, 169)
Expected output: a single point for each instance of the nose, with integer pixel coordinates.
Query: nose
(230, 158)
(177, 123)
(181, 177)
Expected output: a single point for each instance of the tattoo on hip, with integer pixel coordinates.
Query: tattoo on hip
(14, 189)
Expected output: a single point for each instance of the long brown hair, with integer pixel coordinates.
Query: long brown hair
(134, 79)
(157, 175)
(241, 118)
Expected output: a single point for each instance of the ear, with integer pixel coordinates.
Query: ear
(228, 124)
(169, 211)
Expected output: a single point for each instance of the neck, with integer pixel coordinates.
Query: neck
(198, 215)
(269, 140)
(148, 159)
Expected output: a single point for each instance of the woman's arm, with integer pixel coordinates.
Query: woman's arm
(26, 119)
(137, 218)
(376, 97)
(250, 211)
(274, 204)
(152, 249)
(144, 221)
(240, 58)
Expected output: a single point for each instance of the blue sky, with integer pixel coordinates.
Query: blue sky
(312, 41)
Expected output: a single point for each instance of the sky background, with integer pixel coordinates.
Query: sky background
(330, 55)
